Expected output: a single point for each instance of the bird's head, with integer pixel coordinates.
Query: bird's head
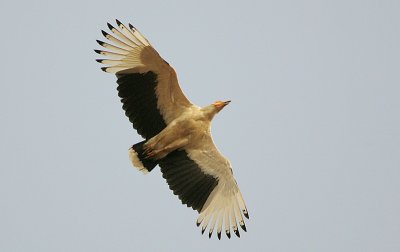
(211, 110)
(219, 105)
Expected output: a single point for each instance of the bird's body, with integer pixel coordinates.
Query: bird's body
(188, 131)
(177, 133)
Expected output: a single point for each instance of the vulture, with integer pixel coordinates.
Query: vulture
(176, 132)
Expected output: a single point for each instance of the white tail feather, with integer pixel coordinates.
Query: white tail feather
(136, 161)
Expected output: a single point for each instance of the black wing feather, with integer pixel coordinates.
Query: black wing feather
(186, 179)
(138, 96)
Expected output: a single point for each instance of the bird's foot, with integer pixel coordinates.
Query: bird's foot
(151, 153)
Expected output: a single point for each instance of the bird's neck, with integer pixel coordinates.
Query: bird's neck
(209, 112)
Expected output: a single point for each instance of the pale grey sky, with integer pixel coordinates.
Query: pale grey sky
(313, 130)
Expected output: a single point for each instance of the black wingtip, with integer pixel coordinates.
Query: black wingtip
(219, 235)
(198, 223)
(118, 22)
(97, 51)
(246, 214)
(228, 234)
(236, 231)
(209, 235)
(132, 27)
(105, 34)
(100, 42)
(99, 60)
(243, 226)
(110, 26)
(202, 230)
(104, 69)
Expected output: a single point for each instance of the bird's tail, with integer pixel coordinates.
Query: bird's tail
(140, 160)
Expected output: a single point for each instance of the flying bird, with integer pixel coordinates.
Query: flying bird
(177, 132)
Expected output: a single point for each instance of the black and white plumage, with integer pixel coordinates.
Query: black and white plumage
(177, 133)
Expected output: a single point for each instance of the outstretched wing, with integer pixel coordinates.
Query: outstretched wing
(203, 179)
(147, 84)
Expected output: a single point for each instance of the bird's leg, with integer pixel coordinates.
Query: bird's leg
(177, 144)
(147, 150)
(164, 151)
(150, 145)
(150, 152)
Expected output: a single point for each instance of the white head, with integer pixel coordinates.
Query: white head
(213, 109)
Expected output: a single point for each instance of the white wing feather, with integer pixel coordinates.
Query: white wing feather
(131, 52)
(225, 205)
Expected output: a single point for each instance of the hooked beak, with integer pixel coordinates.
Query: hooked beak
(220, 104)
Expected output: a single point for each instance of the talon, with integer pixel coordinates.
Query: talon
(147, 151)
(149, 154)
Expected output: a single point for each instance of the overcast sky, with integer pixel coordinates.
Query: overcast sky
(313, 130)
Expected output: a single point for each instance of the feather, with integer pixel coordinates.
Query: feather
(122, 36)
(116, 41)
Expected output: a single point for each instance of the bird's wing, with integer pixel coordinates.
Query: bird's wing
(147, 84)
(202, 178)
